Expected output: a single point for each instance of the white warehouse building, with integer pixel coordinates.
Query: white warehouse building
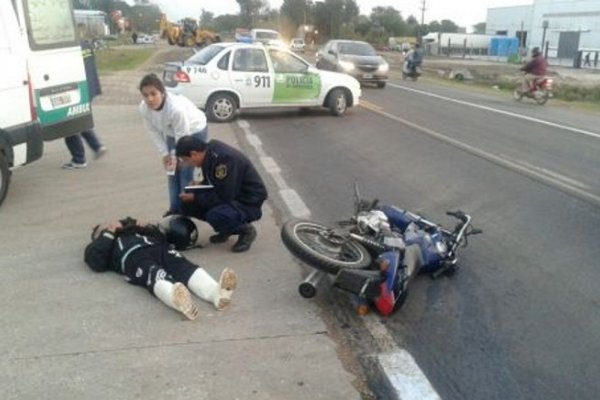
(564, 26)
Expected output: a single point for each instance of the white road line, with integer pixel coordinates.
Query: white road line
(496, 110)
(399, 368)
(542, 175)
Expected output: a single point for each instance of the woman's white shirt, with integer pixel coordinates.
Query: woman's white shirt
(177, 118)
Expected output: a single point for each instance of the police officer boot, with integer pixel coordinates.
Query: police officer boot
(245, 239)
(219, 237)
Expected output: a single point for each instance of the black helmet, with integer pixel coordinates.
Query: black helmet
(535, 51)
(180, 231)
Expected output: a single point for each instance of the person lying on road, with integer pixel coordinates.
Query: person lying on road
(141, 253)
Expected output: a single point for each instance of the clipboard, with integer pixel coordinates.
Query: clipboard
(193, 188)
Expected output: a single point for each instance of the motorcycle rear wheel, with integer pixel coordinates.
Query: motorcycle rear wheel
(320, 247)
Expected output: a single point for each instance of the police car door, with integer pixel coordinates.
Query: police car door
(251, 77)
(294, 84)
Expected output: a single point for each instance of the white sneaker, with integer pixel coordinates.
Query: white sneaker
(101, 151)
(227, 284)
(182, 299)
(74, 165)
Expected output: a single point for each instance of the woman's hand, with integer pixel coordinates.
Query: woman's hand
(187, 197)
(169, 162)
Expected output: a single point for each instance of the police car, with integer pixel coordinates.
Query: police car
(225, 77)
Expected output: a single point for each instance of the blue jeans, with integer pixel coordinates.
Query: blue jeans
(183, 174)
(75, 145)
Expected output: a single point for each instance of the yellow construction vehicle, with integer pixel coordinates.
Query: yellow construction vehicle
(186, 33)
(193, 35)
(171, 31)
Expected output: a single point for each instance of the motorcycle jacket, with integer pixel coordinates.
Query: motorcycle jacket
(537, 66)
(109, 250)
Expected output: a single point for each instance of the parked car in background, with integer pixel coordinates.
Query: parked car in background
(355, 58)
(267, 36)
(225, 77)
(146, 39)
(297, 44)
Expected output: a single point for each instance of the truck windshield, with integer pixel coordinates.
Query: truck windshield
(51, 23)
(267, 35)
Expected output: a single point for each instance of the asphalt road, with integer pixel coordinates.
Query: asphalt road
(520, 319)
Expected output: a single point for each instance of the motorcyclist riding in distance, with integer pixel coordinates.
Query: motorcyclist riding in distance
(534, 69)
(414, 57)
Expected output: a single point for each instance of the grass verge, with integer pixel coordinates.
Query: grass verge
(110, 60)
(579, 97)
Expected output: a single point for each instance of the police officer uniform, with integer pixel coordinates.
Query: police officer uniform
(236, 196)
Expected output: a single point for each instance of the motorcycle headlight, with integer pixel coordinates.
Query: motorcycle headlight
(384, 67)
(346, 65)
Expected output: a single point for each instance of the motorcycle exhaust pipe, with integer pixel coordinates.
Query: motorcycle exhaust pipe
(308, 287)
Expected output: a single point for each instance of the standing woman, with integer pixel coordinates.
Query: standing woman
(168, 117)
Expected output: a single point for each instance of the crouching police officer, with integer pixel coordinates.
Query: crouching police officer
(142, 253)
(236, 192)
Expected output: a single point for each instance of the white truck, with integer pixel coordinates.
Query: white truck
(43, 87)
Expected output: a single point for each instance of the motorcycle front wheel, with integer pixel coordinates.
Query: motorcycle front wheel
(517, 94)
(541, 97)
(322, 248)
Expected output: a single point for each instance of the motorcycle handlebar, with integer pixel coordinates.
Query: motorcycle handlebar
(458, 215)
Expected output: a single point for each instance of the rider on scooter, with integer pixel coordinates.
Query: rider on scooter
(414, 58)
(535, 69)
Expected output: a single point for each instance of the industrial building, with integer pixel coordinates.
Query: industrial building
(565, 29)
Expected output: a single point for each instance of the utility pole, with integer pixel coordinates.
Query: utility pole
(419, 33)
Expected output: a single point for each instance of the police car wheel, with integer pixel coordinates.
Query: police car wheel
(221, 107)
(337, 102)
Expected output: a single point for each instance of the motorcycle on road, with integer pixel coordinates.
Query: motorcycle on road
(377, 252)
(410, 71)
(540, 92)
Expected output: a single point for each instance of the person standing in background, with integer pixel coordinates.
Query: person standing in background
(75, 142)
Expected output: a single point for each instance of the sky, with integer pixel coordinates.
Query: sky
(463, 12)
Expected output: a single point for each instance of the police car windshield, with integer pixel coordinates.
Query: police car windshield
(205, 55)
(356, 49)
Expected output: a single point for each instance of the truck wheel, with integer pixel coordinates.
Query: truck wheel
(189, 41)
(221, 107)
(4, 177)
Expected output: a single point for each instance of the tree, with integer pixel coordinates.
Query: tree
(448, 26)
(330, 14)
(296, 11)
(145, 18)
(250, 11)
(207, 19)
(479, 28)
(227, 23)
(434, 26)
(389, 19)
